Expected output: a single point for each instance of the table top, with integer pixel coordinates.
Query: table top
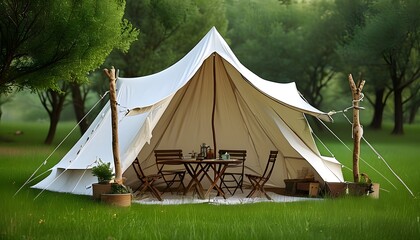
(209, 161)
(295, 180)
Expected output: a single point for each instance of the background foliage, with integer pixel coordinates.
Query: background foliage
(43, 42)
(314, 43)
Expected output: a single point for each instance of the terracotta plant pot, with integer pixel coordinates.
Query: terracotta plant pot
(100, 188)
(121, 200)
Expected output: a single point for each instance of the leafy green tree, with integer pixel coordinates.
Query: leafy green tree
(168, 30)
(378, 89)
(390, 42)
(45, 41)
(288, 42)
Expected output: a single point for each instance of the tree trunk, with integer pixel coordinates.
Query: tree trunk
(357, 128)
(398, 112)
(412, 114)
(53, 102)
(413, 107)
(79, 107)
(114, 123)
(378, 109)
(54, 119)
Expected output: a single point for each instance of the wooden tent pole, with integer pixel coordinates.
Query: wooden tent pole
(357, 128)
(114, 120)
(214, 107)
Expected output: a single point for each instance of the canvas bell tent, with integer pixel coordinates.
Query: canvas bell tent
(206, 97)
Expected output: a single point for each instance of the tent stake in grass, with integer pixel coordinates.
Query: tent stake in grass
(114, 120)
(357, 128)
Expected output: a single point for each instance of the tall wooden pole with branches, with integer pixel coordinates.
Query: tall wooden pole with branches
(114, 120)
(357, 128)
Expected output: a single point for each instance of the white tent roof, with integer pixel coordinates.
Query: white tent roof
(179, 107)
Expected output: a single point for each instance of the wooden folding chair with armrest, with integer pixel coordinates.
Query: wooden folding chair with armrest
(233, 177)
(258, 182)
(170, 176)
(146, 181)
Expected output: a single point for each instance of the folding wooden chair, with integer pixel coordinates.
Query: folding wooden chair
(258, 182)
(170, 176)
(146, 181)
(233, 177)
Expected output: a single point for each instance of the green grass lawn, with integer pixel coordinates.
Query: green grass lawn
(395, 215)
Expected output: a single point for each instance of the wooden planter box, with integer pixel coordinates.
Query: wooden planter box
(100, 188)
(334, 190)
(354, 189)
(375, 188)
(357, 189)
(121, 200)
(294, 185)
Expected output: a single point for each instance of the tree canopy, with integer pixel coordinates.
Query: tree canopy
(313, 43)
(43, 41)
(168, 30)
(317, 43)
(288, 42)
(387, 48)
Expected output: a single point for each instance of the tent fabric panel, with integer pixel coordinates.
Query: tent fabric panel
(74, 181)
(257, 100)
(165, 83)
(83, 153)
(295, 165)
(188, 121)
(160, 85)
(142, 132)
(327, 174)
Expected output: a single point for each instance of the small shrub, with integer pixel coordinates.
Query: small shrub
(119, 189)
(103, 172)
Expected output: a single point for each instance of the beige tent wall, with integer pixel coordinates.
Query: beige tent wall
(209, 97)
(244, 118)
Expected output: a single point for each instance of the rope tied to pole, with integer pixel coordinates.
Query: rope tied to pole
(385, 162)
(348, 148)
(373, 149)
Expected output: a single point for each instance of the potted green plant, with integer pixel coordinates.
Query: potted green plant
(104, 173)
(366, 187)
